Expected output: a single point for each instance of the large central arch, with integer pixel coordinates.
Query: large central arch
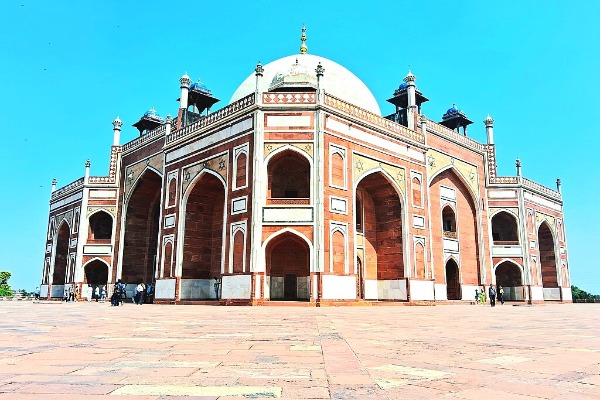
(379, 220)
(458, 234)
(288, 267)
(61, 258)
(548, 263)
(203, 238)
(141, 230)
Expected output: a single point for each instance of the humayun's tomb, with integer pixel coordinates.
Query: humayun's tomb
(300, 190)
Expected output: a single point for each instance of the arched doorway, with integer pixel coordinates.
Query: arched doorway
(548, 263)
(203, 240)
(288, 267)
(96, 275)
(508, 276)
(141, 231)
(378, 215)
(452, 280)
(61, 258)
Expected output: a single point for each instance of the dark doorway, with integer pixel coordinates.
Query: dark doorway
(452, 281)
(61, 255)
(290, 287)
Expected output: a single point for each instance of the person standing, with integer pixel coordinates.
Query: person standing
(76, 293)
(492, 295)
(476, 296)
(501, 294)
(89, 293)
(139, 294)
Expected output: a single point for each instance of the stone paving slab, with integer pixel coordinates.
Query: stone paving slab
(67, 351)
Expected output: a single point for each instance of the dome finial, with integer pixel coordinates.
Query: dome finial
(303, 47)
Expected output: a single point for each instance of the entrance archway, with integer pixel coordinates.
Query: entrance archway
(508, 276)
(288, 267)
(61, 258)
(203, 240)
(378, 216)
(452, 281)
(141, 230)
(96, 273)
(548, 263)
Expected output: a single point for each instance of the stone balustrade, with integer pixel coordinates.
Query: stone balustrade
(373, 118)
(68, 188)
(441, 130)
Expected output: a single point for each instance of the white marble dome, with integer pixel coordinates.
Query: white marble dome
(337, 80)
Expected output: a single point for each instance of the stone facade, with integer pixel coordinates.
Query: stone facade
(300, 195)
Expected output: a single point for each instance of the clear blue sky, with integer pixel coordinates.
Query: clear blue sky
(69, 68)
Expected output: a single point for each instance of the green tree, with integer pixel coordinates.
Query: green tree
(579, 294)
(5, 289)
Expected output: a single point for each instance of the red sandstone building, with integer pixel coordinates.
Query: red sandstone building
(299, 189)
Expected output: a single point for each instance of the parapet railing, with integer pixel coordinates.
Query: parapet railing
(137, 142)
(372, 118)
(212, 118)
(529, 184)
(68, 188)
(510, 180)
(289, 98)
(455, 136)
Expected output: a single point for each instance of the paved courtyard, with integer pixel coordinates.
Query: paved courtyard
(91, 351)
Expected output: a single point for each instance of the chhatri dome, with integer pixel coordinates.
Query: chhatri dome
(336, 81)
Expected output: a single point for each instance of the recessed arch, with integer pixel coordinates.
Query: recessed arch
(288, 265)
(141, 222)
(383, 225)
(96, 272)
(452, 274)
(546, 245)
(289, 176)
(449, 188)
(61, 253)
(203, 214)
(505, 230)
(100, 225)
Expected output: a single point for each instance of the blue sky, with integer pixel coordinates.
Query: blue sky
(69, 68)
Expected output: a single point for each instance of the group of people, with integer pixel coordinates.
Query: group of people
(492, 294)
(142, 294)
(71, 293)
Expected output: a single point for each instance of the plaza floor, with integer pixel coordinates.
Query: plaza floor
(52, 350)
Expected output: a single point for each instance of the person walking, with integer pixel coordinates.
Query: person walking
(492, 295)
(476, 296)
(103, 294)
(501, 294)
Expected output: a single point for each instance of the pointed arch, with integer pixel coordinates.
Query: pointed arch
(61, 253)
(386, 240)
(139, 244)
(505, 228)
(548, 259)
(288, 265)
(289, 176)
(459, 175)
(453, 281)
(202, 219)
(100, 225)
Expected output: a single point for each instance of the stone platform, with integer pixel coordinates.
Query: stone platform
(53, 350)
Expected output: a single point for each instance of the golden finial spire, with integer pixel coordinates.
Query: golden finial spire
(303, 47)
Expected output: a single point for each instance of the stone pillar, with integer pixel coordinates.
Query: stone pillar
(117, 124)
(168, 123)
(183, 99)
(87, 172)
(258, 72)
(489, 129)
(320, 71)
(412, 99)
